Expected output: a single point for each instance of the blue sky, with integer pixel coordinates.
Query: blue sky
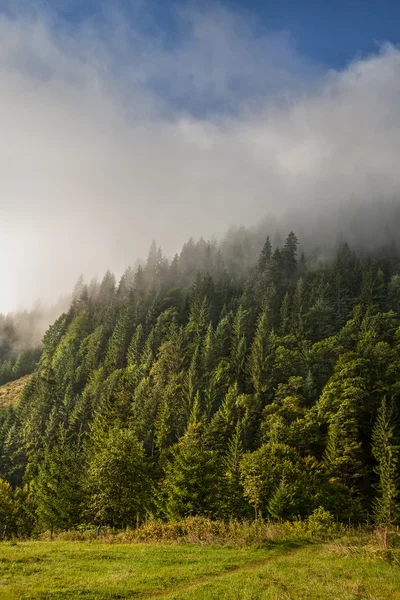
(331, 32)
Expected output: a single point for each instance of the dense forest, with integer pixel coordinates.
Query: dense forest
(212, 384)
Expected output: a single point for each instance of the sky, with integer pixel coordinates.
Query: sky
(125, 121)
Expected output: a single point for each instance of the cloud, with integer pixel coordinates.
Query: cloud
(114, 133)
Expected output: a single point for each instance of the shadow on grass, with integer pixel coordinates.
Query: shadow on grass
(289, 545)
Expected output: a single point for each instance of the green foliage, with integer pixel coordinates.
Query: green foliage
(8, 509)
(234, 501)
(277, 481)
(58, 485)
(211, 385)
(385, 449)
(192, 477)
(119, 479)
(280, 505)
(260, 355)
(320, 522)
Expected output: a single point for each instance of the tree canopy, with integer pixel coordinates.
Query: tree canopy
(212, 384)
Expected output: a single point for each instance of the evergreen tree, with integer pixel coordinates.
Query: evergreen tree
(289, 257)
(285, 314)
(234, 502)
(119, 479)
(58, 485)
(385, 449)
(297, 326)
(119, 340)
(280, 505)
(343, 456)
(192, 477)
(265, 255)
(259, 355)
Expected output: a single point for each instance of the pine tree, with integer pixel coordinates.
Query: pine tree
(239, 344)
(297, 325)
(58, 485)
(119, 479)
(343, 457)
(289, 256)
(92, 351)
(192, 478)
(280, 505)
(259, 354)
(385, 449)
(319, 319)
(106, 289)
(285, 314)
(119, 341)
(135, 347)
(265, 255)
(192, 381)
(394, 294)
(234, 502)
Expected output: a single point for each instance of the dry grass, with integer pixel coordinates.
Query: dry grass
(192, 530)
(203, 531)
(368, 546)
(10, 392)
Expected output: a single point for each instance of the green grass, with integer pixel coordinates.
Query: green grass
(284, 571)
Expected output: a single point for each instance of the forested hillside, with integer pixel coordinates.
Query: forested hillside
(19, 345)
(213, 385)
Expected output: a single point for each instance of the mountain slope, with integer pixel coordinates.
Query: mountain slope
(193, 387)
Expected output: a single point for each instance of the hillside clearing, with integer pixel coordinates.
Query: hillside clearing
(10, 392)
(285, 571)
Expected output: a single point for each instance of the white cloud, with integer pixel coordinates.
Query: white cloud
(109, 138)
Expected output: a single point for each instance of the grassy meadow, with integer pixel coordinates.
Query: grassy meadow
(281, 570)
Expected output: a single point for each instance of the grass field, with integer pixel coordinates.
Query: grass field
(284, 571)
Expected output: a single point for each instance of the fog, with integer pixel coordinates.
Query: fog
(112, 136)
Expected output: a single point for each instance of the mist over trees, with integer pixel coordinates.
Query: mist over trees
(21, 334)
(258, 376)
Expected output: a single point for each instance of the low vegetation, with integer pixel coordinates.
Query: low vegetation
(197, 558)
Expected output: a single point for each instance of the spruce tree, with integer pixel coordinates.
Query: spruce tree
(280, 505)
(259, 354)
(119, 479)
(265, 255)
(58, 486)
(192, 479)
(234, 502)
(385, 449)
(285, 314)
